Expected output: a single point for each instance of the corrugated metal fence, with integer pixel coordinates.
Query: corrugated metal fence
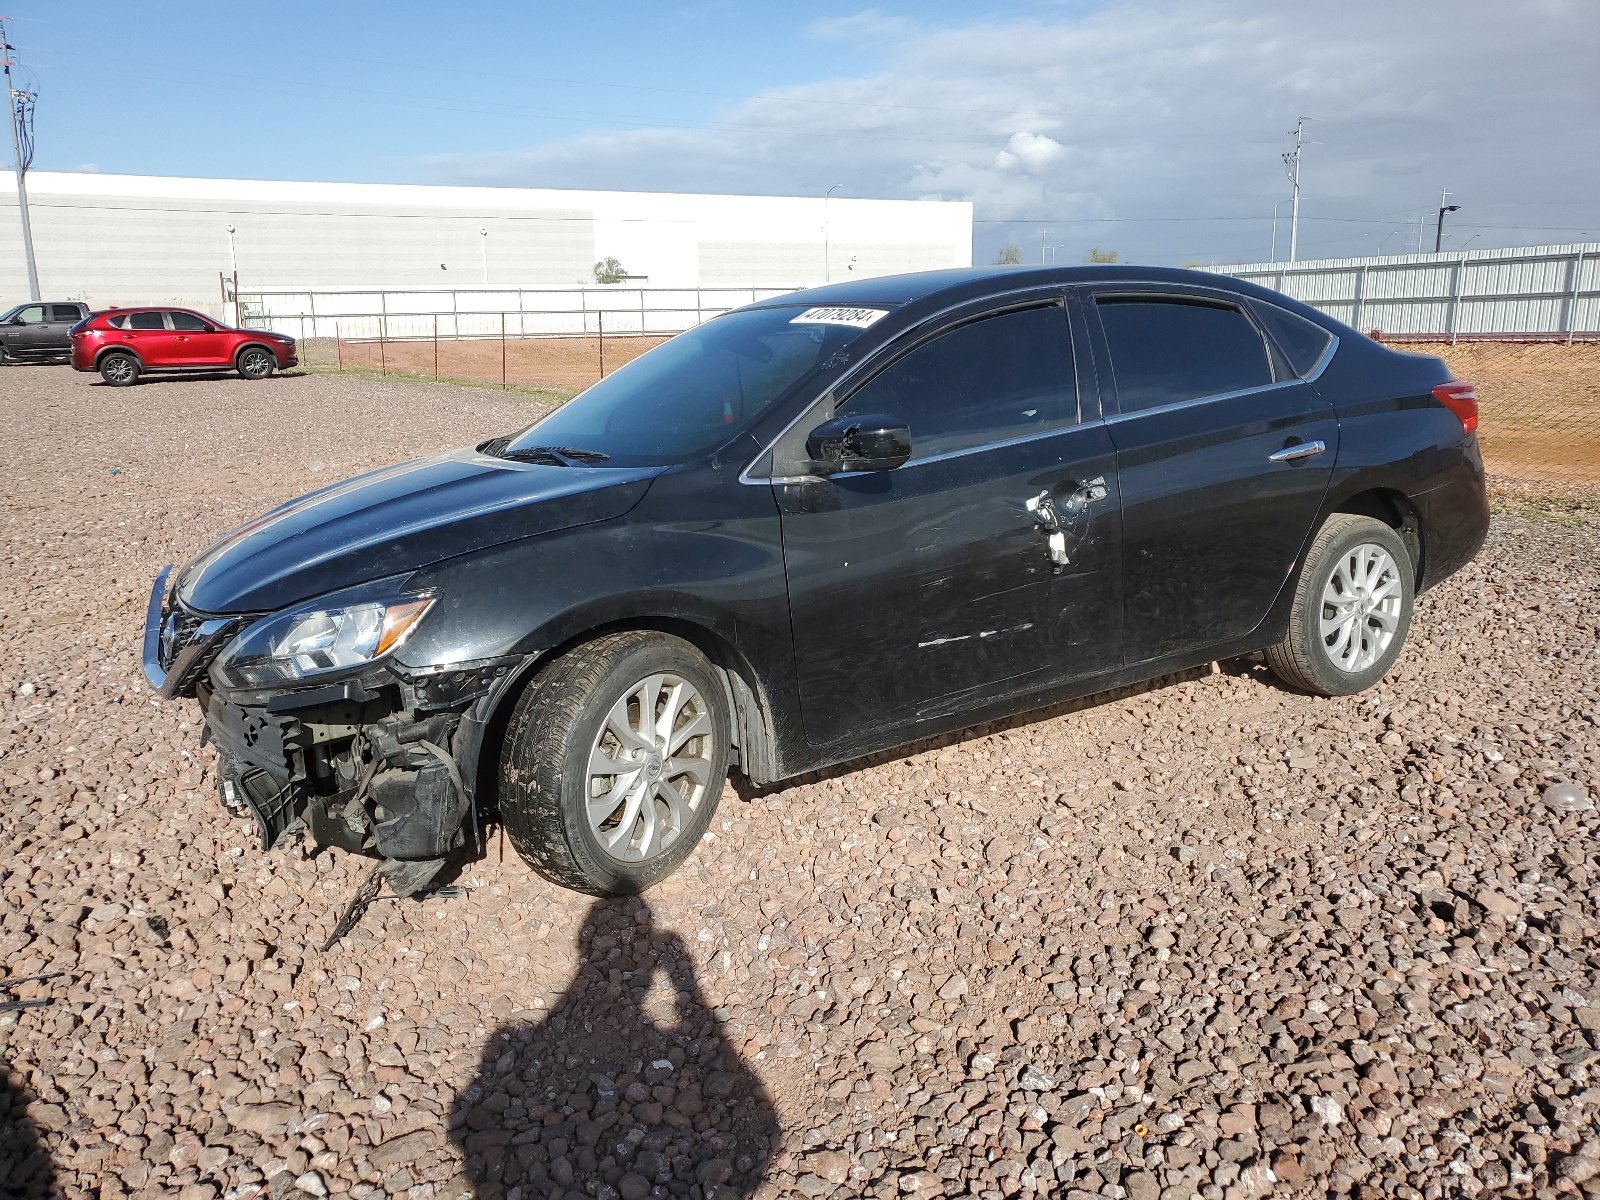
(1527, 292)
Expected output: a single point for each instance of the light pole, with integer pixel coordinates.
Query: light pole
(1275, 209)
(19, 113)
(233, 269)
(1438, 231)
(827, 267)
(483, 241)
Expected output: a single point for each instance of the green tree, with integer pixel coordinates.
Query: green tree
(609, 270)
(1009, 256)
(1097, 255)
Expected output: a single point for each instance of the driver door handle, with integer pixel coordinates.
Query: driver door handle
(1298, 451)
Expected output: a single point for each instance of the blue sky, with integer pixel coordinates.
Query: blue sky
(1150, 126)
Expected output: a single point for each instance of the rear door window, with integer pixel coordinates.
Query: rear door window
(146, 320)
(187, 322)
(1166, 350)
(66, 312)
(991, 380)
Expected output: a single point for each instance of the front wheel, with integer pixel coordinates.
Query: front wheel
(256, 363)
(119, 370)
(614, 762)
(1352, 609)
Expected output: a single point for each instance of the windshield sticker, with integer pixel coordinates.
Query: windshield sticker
(860, 318)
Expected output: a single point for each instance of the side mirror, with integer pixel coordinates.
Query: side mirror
(873, 442)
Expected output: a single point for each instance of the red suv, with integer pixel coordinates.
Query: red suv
(124, 343)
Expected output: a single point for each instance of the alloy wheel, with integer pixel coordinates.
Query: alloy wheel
(256, 363)
(1361, 605)
(650, 767)
(118, 369)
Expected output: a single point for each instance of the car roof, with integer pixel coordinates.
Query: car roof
(936, 289)
(921, 285)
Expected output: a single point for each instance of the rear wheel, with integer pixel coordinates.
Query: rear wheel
(256, 363)
(614, 762)
(1352, 609)
(119, 370)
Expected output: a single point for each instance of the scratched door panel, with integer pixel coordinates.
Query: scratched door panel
(999, 610)
(931, 588)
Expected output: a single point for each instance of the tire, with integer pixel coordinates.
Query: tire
(582, 712)
(255, 362)
(1334, 646)
(119, 370)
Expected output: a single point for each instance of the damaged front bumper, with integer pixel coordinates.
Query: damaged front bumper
(380, 761)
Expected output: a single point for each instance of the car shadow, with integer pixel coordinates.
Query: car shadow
(26, 1171)
(626, 1087)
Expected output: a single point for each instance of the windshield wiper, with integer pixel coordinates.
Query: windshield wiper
(560, 456)
(567, 456)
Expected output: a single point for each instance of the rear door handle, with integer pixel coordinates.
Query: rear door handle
(1300, 450)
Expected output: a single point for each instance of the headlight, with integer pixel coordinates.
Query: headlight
(321, 636)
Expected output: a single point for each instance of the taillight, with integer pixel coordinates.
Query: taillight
(1461, 399)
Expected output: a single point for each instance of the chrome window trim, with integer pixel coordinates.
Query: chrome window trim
(845, 381)
(1212, 399)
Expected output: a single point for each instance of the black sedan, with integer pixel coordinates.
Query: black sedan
(810, 529)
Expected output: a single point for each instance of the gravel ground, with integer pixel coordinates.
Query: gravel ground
(1209, 938)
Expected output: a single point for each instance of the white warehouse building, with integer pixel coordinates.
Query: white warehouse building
(133, 239)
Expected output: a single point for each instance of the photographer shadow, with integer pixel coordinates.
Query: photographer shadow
(626, 1088)
(26, 1171)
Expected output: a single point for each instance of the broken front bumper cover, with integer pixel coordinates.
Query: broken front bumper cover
(379, 759)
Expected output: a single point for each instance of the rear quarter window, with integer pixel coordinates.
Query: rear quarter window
(1302, 342)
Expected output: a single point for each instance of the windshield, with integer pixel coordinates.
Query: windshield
(693, 393)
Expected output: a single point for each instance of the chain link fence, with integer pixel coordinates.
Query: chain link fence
(1539, 399)
(1538, 404)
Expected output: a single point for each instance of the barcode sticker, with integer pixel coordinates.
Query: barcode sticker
(860, 318)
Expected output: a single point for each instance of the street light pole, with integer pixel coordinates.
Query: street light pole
(483, 240)
(1275, 208)
(1438, 231)
(827, 267)
(18, 106)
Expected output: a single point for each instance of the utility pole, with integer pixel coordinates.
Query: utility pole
(1292, 162)
(1438, 231)
(19, 110)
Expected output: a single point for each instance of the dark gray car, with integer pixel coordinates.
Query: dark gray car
(38, 331)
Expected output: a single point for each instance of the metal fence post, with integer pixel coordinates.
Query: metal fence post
(436, 345)
(1455, 299)
(1572, 302)
(1361, 294)
(502, 352)
(601, 318)
(383, 339)
(338, 343)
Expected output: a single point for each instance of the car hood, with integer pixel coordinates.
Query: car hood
(395, 520)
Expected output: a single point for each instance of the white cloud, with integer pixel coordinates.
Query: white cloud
(1033, 152)
(870, 25)
(1169, 109)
